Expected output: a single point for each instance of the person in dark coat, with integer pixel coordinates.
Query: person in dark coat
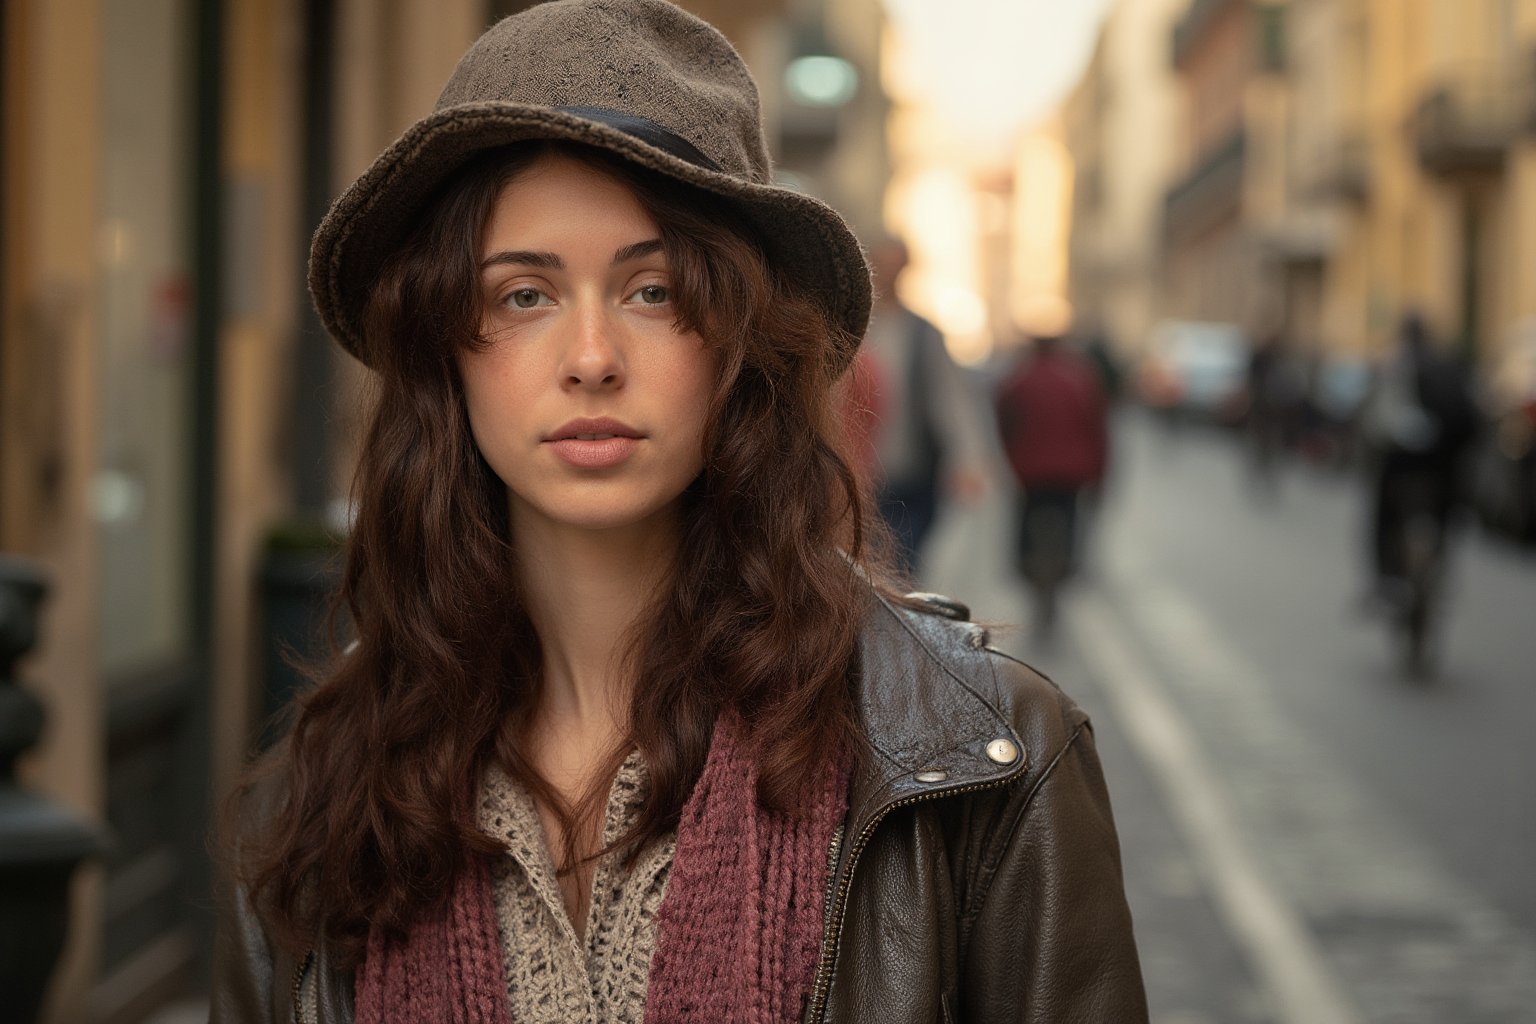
(1275, 392)
(919, 422)
(1051, 413)
(1419, 423)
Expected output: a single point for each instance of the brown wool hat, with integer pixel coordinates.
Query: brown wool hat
(640, 78)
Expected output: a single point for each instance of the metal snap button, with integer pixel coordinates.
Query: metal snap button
(933, 775)
(1003, 751)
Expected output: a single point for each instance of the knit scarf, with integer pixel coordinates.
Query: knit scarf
(740, 927)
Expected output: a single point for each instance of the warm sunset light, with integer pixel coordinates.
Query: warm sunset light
(982, 191)
(1042, 223)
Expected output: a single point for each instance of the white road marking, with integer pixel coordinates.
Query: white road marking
(1306, 864)
(1290, 966)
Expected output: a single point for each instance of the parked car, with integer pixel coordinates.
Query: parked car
(1503, 482)
(1194, 369)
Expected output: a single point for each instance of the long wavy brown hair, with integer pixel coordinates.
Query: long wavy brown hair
(370, 805)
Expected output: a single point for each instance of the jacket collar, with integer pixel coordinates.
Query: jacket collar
(932, 708)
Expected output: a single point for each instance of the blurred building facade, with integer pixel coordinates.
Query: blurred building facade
(1448, 109)
(1222, 196)
(1029, 286)
(1122, 125)
(1336, 163)
(168, 405)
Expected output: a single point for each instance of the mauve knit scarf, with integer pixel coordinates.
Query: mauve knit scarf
(740, 927)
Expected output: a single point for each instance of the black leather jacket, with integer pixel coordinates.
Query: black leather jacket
(978, 872)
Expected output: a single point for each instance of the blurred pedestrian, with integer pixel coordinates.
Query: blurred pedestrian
(1100, 351)
(1276, 388)
(927, 435)
(1052, 417)
(625, 675)
(1418, 424)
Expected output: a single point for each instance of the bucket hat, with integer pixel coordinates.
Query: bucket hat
(640, 78)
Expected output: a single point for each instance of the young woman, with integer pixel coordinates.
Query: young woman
(632, 729)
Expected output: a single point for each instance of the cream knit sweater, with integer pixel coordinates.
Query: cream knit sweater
(553, 976)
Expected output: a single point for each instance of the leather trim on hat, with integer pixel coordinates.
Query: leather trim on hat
(647, 131)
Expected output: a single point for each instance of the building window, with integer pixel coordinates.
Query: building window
(141, 493)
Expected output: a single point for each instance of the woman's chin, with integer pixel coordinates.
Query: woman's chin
(596, 516)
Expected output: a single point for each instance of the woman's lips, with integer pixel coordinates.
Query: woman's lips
(595, 453)
(594, 442)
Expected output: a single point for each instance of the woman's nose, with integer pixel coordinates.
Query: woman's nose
(592, 357)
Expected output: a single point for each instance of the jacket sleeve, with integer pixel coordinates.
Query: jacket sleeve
(1052, 940)
(242, 964)
(244, 961)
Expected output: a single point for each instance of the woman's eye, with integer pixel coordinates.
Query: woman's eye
(653, 294)
(525, 298)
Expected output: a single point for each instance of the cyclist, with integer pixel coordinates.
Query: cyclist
(1418, 424)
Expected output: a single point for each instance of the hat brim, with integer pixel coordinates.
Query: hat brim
(370, 220)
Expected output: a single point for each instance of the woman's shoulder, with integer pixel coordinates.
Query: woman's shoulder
(932, 688)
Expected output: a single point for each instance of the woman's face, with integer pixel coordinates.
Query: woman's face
(586, 400)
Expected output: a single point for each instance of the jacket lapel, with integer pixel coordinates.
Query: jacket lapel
(930, 703)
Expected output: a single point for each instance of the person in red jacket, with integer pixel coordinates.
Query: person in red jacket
(1052, 412)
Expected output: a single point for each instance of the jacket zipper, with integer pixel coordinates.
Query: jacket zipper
(298, 986)
(832, 852)
(839, 902)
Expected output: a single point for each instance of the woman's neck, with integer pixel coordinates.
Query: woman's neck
(584, 591)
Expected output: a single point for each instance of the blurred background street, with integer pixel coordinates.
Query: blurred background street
(1391, 821)
(1204, 368)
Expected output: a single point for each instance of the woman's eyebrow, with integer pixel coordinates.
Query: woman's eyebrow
(523, 258)
(550, 261)
(639, 250)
